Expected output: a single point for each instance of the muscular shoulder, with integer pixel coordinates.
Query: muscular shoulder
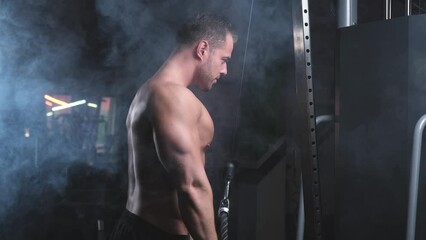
(173, 99)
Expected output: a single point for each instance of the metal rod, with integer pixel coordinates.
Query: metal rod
(307, 142)
(237, 115)
(301, 217)
(388, 9)
(408, 7)
(101, 232)
(414, 178)
(347, 13)
(324, 118)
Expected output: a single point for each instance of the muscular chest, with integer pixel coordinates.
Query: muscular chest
(205, 129)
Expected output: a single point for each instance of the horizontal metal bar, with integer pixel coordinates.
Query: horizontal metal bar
(324, 118)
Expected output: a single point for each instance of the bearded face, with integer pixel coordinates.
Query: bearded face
(207, 75)
(215, 65)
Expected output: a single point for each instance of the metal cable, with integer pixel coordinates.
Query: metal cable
(237, 117)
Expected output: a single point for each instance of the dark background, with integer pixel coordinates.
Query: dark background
(56, 186)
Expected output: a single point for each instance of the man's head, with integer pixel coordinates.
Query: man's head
(211, 38)
(210, 27)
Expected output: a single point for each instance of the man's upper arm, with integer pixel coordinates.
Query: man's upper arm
(174, 115)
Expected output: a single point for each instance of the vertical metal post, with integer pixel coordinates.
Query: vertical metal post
(347, 13)
(388, 9)
(301, 214)
(414, 178)
(408, 7)
(307, 138)
(101, 232)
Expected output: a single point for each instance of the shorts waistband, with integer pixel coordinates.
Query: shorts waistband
(149, 227)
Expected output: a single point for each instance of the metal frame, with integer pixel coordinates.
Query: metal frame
(408, 7)
(347, 13)
(414, 178)
(301, 214)
(307, 142)
(388, 9)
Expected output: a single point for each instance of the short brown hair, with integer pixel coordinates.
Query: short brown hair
(211, 27)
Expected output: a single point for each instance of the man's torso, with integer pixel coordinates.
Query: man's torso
(151, 194)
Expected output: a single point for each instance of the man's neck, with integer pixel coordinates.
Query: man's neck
(179, 68)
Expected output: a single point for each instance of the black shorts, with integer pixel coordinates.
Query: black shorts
(132, 227)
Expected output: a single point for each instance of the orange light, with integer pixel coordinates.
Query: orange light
(50, 104)
(57, 101)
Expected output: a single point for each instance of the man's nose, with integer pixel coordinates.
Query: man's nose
(224, 71)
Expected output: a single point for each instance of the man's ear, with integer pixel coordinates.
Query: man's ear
(202, 50)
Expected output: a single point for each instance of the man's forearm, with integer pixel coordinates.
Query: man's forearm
(196, 206)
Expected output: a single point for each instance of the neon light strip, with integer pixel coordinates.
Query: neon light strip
(57, 101)
(69, 105)
(92, 105)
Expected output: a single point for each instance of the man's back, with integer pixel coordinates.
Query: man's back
(152, 191)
